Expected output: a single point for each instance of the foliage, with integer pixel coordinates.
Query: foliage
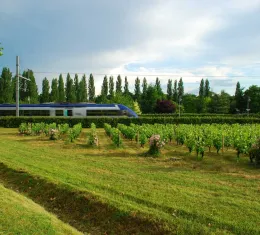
(74, 132)
(91, 88)
(104, 88)
(6, 86)
(93, 138)
(155, 145)
(14, 122)
(54, 90)
(45, 91)
(61, 91)
(70, 90)
(119, 85)
(165, 106)
(114, 134)
(1, 50)
(137, 91)
(254, 152)
(136, 108)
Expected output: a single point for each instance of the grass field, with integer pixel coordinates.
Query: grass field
(119, 191)
(20, 215)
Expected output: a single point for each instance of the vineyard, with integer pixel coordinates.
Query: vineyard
(244, 139)
(137, 179)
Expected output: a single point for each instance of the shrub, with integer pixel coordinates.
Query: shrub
(155, 143)
(254, 152)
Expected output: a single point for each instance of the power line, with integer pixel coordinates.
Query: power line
(152, 75)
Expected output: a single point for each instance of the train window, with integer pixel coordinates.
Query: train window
(34, 113)
(58, 112)
(103, 113)
(7, 112)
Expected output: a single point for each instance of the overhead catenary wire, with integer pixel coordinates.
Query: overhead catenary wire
(147, 75)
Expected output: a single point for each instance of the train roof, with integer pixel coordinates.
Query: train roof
(60, 105)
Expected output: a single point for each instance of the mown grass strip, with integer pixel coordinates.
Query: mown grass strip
(20, 215)
(83, 211)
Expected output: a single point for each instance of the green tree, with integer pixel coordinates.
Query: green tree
(111, 86)
(1, 50)
(175, 92)
(119, 84)
(137, 93)
(180, 89)
(45, 91)
(24, 87)
(83, 91)
(221, 103)
(91, 88)
(207, 88)
(169, 90)
(32, 88)
(104, 88)
(136, 108)
(70, 90)
(144, 86)
(189, 102)
(6, 86)
(201, 89)
(126, 88)
(127, 100)
(158, 86)
(76, 87)
(252, 98)
(148, 103)
(54, 90)
(61, 91)
(239, 98)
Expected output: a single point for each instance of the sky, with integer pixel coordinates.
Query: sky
(169, 39)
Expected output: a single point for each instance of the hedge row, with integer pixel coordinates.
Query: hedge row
(244, 115)
(13, 122)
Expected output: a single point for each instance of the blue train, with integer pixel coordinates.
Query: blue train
(68, 110)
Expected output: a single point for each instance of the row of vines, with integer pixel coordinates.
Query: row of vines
(243, 138)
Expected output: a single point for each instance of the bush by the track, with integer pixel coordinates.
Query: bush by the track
(14, 122)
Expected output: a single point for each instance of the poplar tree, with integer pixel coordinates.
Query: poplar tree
(104, 88)
(201, 90)
(70, 90)
(239, 97)
(144, 86)
(207, 88)
(111, 86)
(91, 88)
(61, 91)
(169, 90)
(45, 91)
(83, 91)
(137, 89)
(126, 88)
(119, 85)
(158, 86)
(54, 90)
(76, 87)
(6, 86)
(180, 89)
(175, 91)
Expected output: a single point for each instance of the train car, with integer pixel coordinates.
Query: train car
(68, 110)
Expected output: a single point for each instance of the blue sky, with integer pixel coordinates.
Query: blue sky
(168, 38)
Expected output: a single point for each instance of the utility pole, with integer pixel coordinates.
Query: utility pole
(17, 86)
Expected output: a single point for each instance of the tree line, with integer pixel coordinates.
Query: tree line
(149, 98)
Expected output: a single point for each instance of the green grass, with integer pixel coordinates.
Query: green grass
(214, 196)
(20, 215)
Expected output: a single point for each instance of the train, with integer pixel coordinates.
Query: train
(68, 110)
